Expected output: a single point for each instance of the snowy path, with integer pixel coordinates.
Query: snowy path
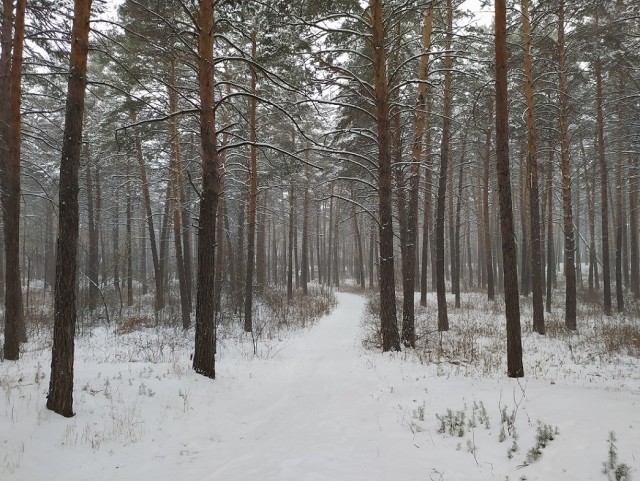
(321, 409)
(317, 415)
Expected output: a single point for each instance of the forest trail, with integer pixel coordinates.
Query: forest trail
(316, 417)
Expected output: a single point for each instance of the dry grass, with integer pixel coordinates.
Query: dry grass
(476, 339)
(134, 323)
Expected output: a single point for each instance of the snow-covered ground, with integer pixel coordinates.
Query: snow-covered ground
(314, 405)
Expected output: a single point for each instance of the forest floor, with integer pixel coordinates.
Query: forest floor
(314, 404)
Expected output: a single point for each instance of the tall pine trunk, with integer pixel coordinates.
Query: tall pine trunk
(509, 254)
(443, 319)
(604, 188)
(10, 138)
(253, 195)
(532, 164)
(205, 338)
(388, 316)
(569, 242)
(60, 397)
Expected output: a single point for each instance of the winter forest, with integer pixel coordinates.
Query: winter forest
(336, 240)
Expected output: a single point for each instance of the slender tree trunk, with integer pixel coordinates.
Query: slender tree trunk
(93, 243)
(336, 248)
(358, 239)
(205, 336)
(224, 257)
(510, 262)
(590, 190)
(634, 172)
(428, 179)
(620, 220)
(443, 320)
(10, 138)
(292, 207)
(164, 237)
(488, 250)
(604, 192)
(116, 251)
(101, 240)
(388, 316)
(159, 294)
(128, 247)
(261, 265)
(525, 257)
(49, 250)
(60, 397)
(305, 234)
(550, 242)
(253, 194)
(177, 198)
(455, 278)
(569, 243)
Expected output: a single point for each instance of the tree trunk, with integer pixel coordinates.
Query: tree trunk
(159, 294)
(620, 220)
(634, 172)
(443, 320)
(205, 338)
(455, 277)
(525, 263)
(550, 242)
(569, 243)
(305, 234)
(94, 291)
(177, 198)
(10, 138)
(253, 194)
(604, 189)
(292, 206)
(60, 397)
(261, 265)
(509, 254)
(428, 179)
(388, 316)
(128, 247)
(488, 249)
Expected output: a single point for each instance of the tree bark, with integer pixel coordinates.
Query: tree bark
(292, 207)
(428, 179)
(443, 320)
(93, 243)
(388, 316)
(253, 193)
(509, 255)
(305, 234)
(176, 198)
(569, 242)
(128, 240)
(455, 275)
(604, 188)
(159, 292)
(10, 138)
(634, 172)
(205, 339)
(620, 220)
(488, 250)
(60, 397)
(551, 273)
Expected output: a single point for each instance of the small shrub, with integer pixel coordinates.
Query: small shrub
(453, 423)
(614, 470)
(544, 435)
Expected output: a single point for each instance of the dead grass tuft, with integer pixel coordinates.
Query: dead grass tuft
(134, 323)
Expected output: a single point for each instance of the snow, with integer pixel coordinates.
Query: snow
(314, 405)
